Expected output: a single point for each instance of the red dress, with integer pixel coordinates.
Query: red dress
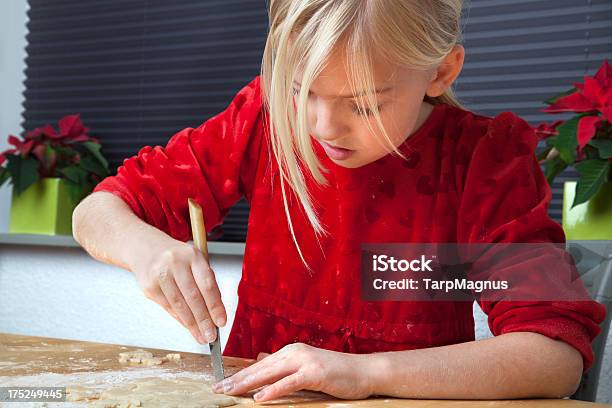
(468, 178)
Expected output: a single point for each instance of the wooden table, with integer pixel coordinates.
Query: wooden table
(28, 355)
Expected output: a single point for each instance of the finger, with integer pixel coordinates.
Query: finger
(262, 355)
(249, 379)
(281, 355)
(195, 301)
(207, 283)
(179, 305)
(286, 385)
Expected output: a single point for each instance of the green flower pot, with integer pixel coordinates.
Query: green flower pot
(591, 220)
(43, 208)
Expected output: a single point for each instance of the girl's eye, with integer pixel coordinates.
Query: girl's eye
(355, 108)
(365, 111)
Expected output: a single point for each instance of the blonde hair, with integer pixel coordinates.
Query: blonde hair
(304, 33)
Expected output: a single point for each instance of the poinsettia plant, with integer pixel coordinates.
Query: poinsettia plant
(68, 153)
(583, 141)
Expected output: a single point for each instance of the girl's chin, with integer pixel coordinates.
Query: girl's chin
(355, 161)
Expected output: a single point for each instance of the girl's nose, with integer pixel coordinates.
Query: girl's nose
(327, 126)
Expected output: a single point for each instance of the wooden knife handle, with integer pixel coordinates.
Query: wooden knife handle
(198, 229)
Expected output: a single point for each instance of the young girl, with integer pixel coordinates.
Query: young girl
(350, 135)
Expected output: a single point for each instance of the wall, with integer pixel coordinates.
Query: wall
(64, 293)
(12, 65)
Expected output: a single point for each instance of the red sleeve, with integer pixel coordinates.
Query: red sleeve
(505, 198)
(214, 163)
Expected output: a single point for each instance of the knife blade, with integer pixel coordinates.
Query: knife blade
(198, 231)
(217, 360)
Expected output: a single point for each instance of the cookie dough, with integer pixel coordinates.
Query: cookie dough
(146, 358)
(173, 356)
(156, 393)
(82, 394)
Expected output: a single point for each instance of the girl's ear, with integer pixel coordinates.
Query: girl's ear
(446, 72)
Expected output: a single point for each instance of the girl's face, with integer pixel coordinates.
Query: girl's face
(335, 121)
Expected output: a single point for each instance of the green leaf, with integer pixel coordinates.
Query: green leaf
(95, 148)
(65, 151)
(593, 174)
(75, 191)
(65, 156)
(567, 140)
(93, 166)
(24, 172)
(552, 168)
(604, 146)
(554, 99)
(590, 152)
(76, 180)
(4, 175)
(74, 173)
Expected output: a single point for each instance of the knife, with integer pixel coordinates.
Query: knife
(198, 231)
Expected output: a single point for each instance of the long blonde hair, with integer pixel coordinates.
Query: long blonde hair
(304, 33)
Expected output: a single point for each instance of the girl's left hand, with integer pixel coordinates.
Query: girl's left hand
(297, 367)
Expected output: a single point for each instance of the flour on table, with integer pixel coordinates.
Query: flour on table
(85, 388)
(155, 392)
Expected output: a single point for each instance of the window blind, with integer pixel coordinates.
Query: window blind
(521, 52)
(139, 71)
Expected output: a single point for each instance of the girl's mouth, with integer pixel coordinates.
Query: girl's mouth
(336, 153)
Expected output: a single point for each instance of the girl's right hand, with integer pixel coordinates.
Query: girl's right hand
(179, 278)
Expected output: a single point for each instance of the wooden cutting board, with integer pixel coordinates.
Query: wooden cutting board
(23, 357)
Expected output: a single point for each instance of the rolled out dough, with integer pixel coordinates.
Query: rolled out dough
(154, 392)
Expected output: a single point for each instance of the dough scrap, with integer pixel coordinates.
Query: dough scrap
(173, 356)
(146, 358)
(152, 392)
(78, 393)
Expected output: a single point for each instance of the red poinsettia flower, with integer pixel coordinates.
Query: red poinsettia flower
(587, 127)
(594, 95)
(23, 148)
(72, 129)
(544, 130)
(46, 131)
